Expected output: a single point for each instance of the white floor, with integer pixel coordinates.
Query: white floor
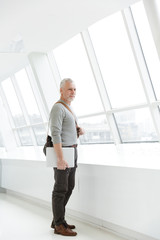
(22, 220)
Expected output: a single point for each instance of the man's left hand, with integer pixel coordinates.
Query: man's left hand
(81, 131)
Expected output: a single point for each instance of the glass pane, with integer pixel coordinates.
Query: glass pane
(148, 44)
(116, 61)
(13, 103)
(96, 130)
(72, 62)
(136, 126)
(28, 97)
(25, 137)
(40, 134)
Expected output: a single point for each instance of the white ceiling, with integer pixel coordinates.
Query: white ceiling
(40, 25)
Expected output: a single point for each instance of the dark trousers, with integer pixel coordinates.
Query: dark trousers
(63, 186)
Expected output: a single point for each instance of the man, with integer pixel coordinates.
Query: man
(64, 131)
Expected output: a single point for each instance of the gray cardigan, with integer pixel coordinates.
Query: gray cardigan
(62, 125)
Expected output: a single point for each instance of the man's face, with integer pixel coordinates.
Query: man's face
(68, 92)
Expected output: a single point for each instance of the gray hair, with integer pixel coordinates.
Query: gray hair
(62, 83)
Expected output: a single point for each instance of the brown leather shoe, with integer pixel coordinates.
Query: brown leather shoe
(69, 226)
(65, 224)
(62, 230)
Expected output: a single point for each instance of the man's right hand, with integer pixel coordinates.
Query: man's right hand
(62, 165)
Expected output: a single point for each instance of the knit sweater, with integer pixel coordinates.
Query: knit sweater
(62, 125)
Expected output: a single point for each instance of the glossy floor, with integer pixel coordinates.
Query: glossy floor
(21, 220)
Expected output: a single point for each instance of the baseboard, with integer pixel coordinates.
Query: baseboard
(120, 231)
(30, 199)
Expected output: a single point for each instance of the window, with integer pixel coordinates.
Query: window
(24, 109)
(119, 69)
(40, 134)
(116, 60)
(13, 103)
(28, 97)
(25, 136)
(96, 130)
(72, 62)
(147, 44)
(136, 126)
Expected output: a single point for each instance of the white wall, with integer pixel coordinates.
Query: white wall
(126, 197)
(125, 200)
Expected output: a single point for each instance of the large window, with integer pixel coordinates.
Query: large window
(147, 44)
(116, 61)
(25, 136)
(96, 130)
(28, 97)
(31, 106)
(13, 103)
(126, 101)
(72, 61)
(22, 106)
(136, 126)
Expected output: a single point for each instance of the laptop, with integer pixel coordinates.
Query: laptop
(51, 157)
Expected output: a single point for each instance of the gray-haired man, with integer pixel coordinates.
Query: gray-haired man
(64, 134)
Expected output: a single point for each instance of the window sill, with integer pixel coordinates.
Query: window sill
(24, 153)
(137, 155)
(140, 155)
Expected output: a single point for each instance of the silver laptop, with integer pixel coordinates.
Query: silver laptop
(51, 158)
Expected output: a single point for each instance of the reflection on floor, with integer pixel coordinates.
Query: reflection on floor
(21, 220)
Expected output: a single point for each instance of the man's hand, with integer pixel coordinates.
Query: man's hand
(62, 165)
(80, 131)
